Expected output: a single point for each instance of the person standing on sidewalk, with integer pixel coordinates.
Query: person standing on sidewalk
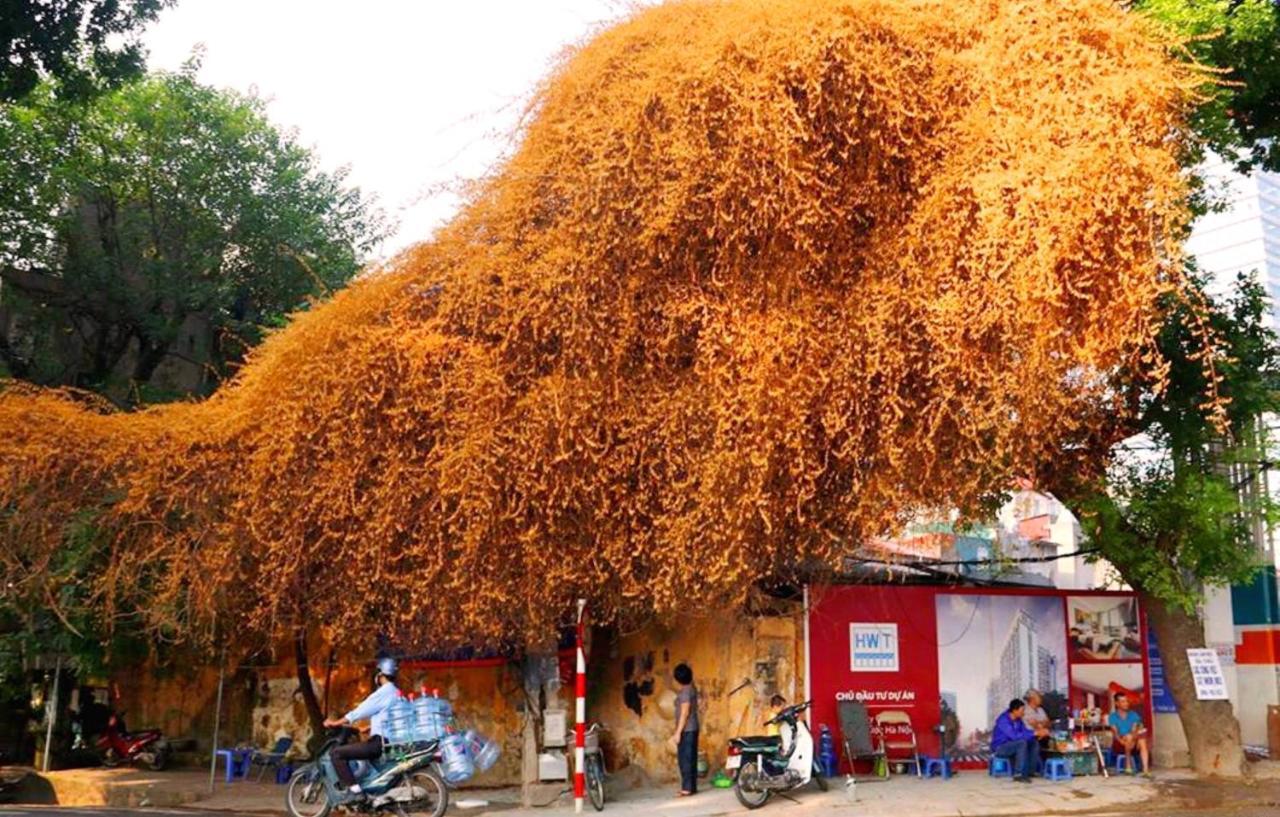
(686, 737)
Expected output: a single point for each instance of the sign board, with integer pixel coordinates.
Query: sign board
(1226, 653)
(1161, 700)
(873, 647)
(1210, 683)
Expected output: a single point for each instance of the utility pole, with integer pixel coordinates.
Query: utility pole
(51, 710)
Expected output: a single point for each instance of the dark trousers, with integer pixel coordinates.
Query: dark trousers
(687, 756)
(369, 750)
(1024, 755)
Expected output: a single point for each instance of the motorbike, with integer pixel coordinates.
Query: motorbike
(10, 782)
(405, 781)
(116, 746)
(763, 766)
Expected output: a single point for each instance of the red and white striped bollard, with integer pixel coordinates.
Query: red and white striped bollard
(580, 726)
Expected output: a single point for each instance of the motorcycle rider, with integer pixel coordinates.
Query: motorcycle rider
(374, 708)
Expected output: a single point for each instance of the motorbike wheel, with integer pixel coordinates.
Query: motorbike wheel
(595, 782)
(751, 799)
(110, 759)
(434, 800)
(306, 796)
(820, 781)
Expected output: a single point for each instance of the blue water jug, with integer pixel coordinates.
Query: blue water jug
(399, 723)
(455, 758)
(827, 757)
(431, 716)
(484, 752)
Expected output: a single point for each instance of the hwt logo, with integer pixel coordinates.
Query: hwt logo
(873, 647)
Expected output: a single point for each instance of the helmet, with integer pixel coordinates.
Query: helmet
(388, 667)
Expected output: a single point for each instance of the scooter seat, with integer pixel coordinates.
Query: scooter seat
(758, 743)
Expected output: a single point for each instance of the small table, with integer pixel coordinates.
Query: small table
(1080, 761)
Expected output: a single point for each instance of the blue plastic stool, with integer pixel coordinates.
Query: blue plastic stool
(1057, 768)
(939, 765)
(1121, 761)
(237, 762)
(999, 767)
(284, 772)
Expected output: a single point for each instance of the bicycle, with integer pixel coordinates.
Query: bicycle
(593, 763)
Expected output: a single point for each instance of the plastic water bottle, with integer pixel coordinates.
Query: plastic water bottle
(456, 761)
(399, 721)
(484, 752)
(827, 751)
(431, 714)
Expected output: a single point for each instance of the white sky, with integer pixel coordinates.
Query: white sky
(412, 95)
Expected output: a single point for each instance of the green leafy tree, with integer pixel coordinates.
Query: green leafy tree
(81, 45)
(1177, 511)
(1241, 116)
(164, 223)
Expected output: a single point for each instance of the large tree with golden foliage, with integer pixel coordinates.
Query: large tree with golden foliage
(762, 279)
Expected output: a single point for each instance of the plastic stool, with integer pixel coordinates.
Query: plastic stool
(940, 765)
(999, 767)
(1057, 768)
(284, 772)
(1121, 761)
(236, 759)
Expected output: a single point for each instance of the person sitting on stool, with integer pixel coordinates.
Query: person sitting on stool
(1016, 742)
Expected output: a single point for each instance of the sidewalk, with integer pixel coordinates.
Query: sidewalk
(968, 794)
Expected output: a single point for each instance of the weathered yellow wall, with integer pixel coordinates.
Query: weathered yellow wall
(722, 652)
(262, 703)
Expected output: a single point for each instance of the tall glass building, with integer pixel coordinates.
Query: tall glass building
(1245, 236)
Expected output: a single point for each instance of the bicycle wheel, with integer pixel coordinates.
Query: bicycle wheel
(595, 782)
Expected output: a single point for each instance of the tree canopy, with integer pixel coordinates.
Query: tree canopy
(762, 279)
(1240, 115)
(81, 45)
(164, 220)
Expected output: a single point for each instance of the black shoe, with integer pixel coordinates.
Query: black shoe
(1022, 778)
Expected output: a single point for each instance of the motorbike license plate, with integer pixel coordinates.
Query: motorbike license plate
(733, 762)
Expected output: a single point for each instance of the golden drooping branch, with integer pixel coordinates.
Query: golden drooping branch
(761, 279)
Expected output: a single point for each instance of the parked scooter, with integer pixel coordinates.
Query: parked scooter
(764, 766)
(403, 785)
(116, 746)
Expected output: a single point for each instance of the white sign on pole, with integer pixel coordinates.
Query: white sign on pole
(1207, 671)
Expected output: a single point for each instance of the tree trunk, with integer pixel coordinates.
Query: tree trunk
(1213, 733)
(307, 689)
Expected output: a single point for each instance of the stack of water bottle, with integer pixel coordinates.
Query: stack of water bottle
(428, 717)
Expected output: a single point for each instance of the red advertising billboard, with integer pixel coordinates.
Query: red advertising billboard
(949, 660)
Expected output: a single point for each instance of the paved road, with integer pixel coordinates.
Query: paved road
(60, 811)
(778, 809)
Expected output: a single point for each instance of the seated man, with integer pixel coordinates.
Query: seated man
(1036, 719)
(1014, 740)
(1128, 733)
